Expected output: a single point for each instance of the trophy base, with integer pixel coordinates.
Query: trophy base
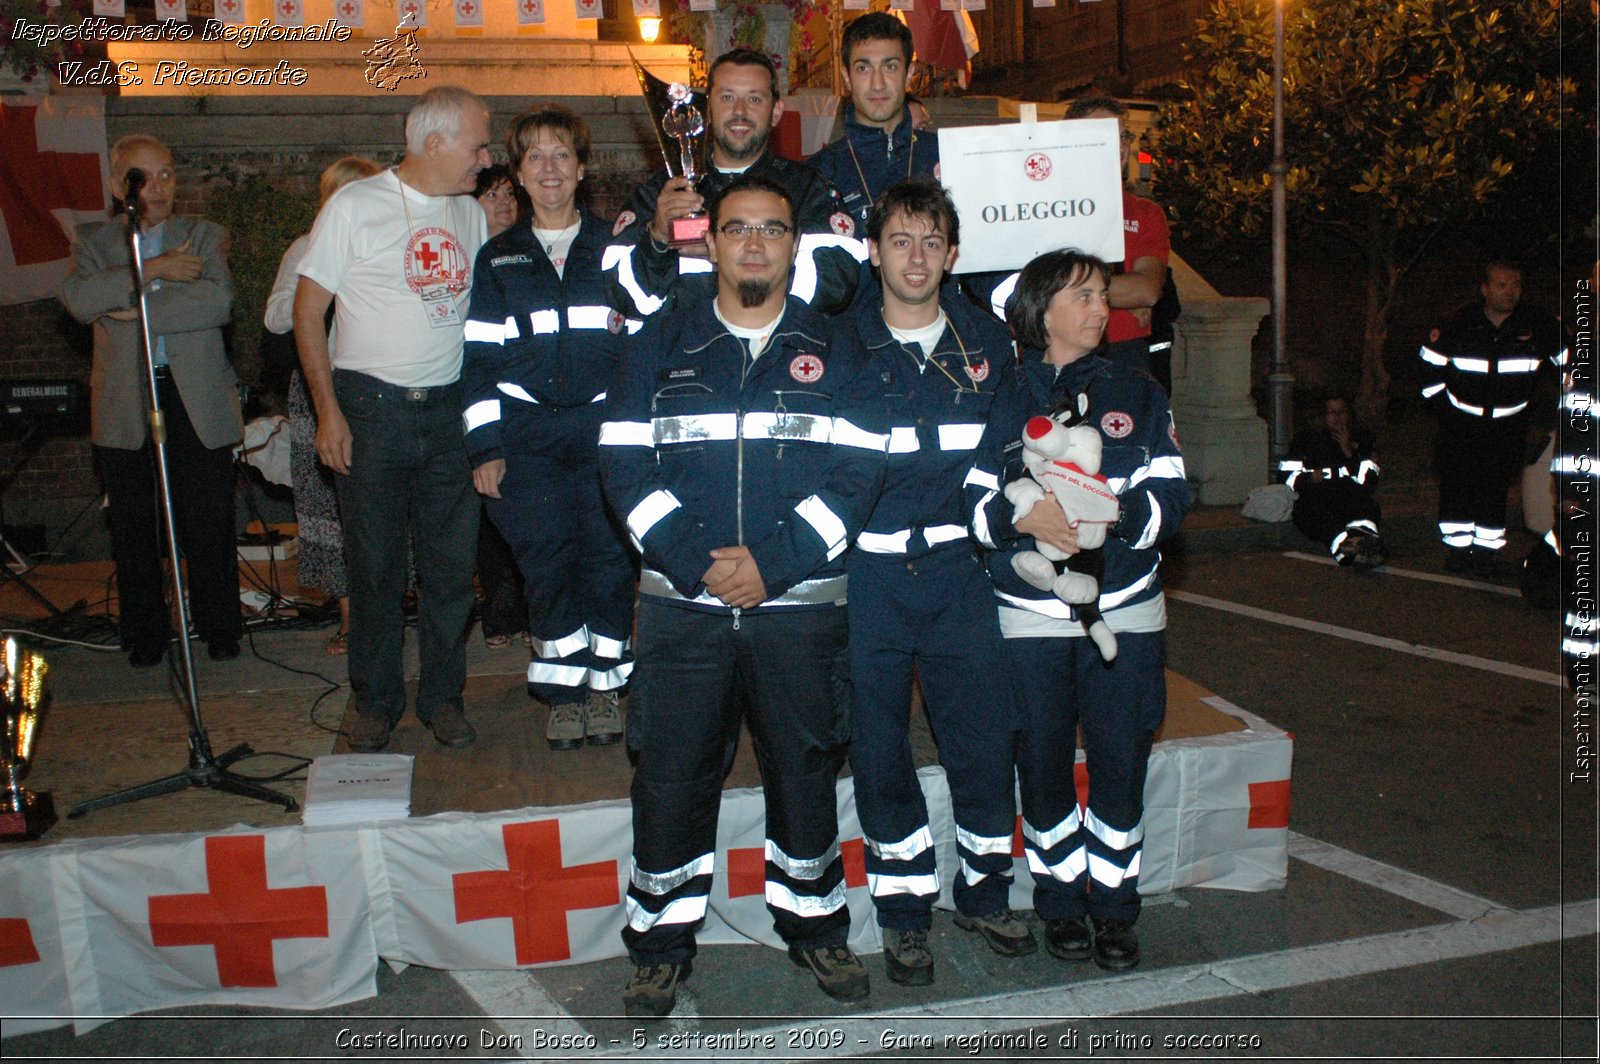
(688, 232)
(36, 815)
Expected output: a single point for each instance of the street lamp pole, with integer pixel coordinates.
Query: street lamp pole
(1280, 383)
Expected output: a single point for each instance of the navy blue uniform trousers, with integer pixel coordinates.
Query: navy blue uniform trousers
(934, 614)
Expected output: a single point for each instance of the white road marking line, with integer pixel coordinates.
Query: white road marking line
(1471, 661)
(1389, 879)
(518, 1005)
(1173, 987)
(1416, 574)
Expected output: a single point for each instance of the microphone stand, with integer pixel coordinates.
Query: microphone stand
(204, 769)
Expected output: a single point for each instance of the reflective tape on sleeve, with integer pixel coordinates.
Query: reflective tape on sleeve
(651, 509)
(627, 434)
(484, 332)
(815, 512)
(588, 317)
(959, 437)
(847, 433)
(481, 413)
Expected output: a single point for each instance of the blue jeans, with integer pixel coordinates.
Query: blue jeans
(408, 467)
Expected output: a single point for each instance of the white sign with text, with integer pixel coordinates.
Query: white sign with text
(1032, 187)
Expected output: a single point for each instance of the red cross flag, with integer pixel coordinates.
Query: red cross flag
(53, 174)
(110, 8)
(352, 13)
(172, 10)
(264, 918)
(413, 12)
(33, 975)
(590, 9)
(530, 12)
(469, 13)
(289, 12)
(646, 8)
(230, 11)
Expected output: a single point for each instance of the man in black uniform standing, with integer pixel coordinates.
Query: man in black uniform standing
(1479, 370)
(743, 100)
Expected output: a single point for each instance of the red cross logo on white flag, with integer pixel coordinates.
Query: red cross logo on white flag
(289, 12)
(530, 12)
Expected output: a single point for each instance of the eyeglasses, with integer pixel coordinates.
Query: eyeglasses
(770, 231)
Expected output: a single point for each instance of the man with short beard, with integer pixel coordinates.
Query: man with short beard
(744, 107)
(733, 449)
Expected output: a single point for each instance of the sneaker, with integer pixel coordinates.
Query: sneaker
(653, 990)
(1116, 947)
(371, 733)
(1371, 554)
(1350, 549)
(839, 972)
(905, 954)
(565, 731)
(601, 721)
(1069, 940)
(1005, 932)
(450, 726)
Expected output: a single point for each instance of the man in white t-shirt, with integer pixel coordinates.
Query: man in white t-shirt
(397, 249)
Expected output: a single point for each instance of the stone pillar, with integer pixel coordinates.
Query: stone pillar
(1224, 440)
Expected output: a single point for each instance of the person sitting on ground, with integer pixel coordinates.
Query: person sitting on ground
(1333, 469)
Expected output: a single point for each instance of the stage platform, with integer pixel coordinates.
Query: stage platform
(515, 854)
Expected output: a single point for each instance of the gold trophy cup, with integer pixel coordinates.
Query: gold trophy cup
(23, 814)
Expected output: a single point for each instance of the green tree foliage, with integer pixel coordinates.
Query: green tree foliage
(1403, 118)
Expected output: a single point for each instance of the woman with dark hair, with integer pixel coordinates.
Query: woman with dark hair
(1086, 869)
(541, 341)
(503, 611)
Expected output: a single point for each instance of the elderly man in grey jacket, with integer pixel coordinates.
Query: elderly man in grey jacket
(189, 297)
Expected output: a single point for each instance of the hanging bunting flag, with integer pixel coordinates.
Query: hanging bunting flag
(469, 13)
(530, 12)
(855, 5)
(351, 13)
(702, 5)
(949, 5)
(590, 9)
(901, 5)
(230, 12)
(413, 13)
(289, 12)
(972, 5)
(110, 8)
(1044, 3)
(646, 8)
(172, 10)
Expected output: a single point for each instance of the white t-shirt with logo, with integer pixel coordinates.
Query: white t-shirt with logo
(380, 255)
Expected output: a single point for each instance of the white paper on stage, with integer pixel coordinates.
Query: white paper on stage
(1031, 187)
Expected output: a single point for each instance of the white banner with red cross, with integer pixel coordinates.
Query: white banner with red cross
(53, 175)
(298, 918)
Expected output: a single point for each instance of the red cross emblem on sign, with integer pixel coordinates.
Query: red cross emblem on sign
(16, 943)
(1037, 166)
(467, 9)
(529, 6)
(241, 917)
(34, 183)
(288, 8)
(747, 868)
(230, 5)
(348, 9)
(427, 256)
(536, 891)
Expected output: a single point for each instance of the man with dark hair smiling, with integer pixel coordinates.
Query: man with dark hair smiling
(881, 144)
(742, 98)
(734, 452)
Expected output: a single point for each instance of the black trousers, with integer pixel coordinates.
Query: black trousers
(202, 481)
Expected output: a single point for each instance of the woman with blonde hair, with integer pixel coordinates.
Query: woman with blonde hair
(320, 541)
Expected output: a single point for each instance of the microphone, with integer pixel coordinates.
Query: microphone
(136, 180)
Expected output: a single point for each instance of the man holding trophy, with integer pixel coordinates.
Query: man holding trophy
(660, 236)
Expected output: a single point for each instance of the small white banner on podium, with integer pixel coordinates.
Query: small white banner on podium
(1032, 187)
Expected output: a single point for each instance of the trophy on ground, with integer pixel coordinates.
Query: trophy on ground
(23, 814)
(678, 115)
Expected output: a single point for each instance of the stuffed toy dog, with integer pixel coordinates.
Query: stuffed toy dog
(1061, 452)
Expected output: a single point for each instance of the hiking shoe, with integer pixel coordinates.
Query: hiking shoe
(371, 733)
(601, 721)
(653, 990)
(1069, 940)
(839, 972)
(1371, 553)
(450, 726)
(1005, 932)
(1116, 947)
(905, 954)
(1350, 549)
(565, 731)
